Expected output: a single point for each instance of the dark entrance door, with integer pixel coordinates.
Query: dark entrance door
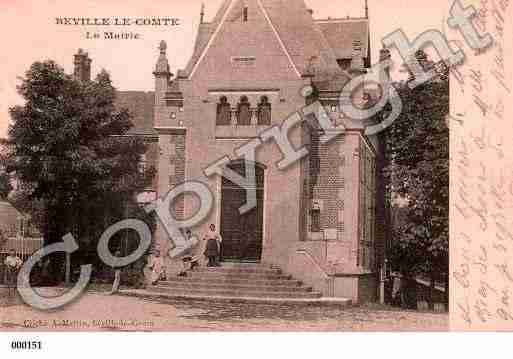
(242, 233)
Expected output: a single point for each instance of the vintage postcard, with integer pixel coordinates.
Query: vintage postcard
(255, 165)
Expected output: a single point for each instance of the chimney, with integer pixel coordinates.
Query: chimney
(357, 57)
(384, 55)
(202, 14)
(82, 63)
(417, 65)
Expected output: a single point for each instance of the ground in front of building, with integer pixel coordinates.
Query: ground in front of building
(96, 311)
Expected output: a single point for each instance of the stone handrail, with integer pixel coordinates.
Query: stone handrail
(327, 277)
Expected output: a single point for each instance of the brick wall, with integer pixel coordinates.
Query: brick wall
(325, 187)
(152, 159)
(177, 169)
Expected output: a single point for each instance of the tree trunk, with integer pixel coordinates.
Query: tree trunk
(408, 291)
(68, 269)
(446, 294)
(432, 289)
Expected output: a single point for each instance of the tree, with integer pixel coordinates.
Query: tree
(5, 185)
(417, 148)
(5, 179)
(67, 150)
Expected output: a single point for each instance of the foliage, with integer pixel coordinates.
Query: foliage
(5, 179)
(5, 185)
(76, 170)
(417, 147)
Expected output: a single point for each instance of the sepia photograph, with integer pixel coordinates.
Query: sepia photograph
(247, 165)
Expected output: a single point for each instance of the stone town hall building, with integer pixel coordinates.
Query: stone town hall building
(316, 219)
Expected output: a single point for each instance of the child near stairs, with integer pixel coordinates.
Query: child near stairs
(189, 260)
(213, 247)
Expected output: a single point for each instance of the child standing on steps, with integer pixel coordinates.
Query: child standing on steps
(213, 247)
(188, 257)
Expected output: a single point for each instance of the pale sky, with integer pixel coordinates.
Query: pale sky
(30, 34)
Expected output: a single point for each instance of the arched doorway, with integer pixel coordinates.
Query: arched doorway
(242, 233)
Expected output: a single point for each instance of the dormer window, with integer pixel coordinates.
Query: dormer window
(245, 14)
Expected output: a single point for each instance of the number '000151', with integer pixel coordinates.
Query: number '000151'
(26, 345)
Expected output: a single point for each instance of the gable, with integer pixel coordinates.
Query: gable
(238, 49)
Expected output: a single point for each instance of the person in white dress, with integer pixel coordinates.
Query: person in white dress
(156, 267)
(13, 264)
(213, 252)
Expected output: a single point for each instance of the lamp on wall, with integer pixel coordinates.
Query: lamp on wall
(173, 115)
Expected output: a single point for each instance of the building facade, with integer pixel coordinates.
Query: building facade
(316, 219)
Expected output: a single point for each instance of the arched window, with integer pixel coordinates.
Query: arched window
(264, 112)
(223, 112)
(243, 112)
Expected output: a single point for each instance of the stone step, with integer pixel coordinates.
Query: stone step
(245, 265)
(238, 270)
(229, 286)
(220, 280)
(232, 293)
(213, 274)
(166, 297)
(235, 280)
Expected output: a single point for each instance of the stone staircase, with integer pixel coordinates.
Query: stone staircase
(237, 283)
(236, 280)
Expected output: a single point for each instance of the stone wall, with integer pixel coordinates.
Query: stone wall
(177, 164)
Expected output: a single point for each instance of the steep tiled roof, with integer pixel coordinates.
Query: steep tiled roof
(340, 34)
(222, 9)
(205, 31)
(140, 105)
(302, 38)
